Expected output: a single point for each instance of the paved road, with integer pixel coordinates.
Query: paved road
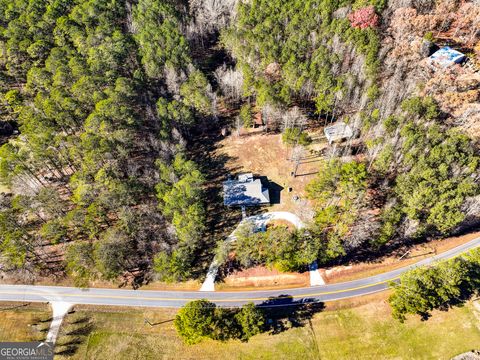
(150, 298)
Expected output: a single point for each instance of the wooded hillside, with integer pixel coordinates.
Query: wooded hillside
(97, 166)
(105, 103)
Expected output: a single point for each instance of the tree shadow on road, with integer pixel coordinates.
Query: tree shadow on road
(283, 312)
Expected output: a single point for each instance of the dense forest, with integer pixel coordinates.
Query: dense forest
(103, 103)
(98, 163)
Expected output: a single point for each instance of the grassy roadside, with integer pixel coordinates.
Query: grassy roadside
(24, 322)
(360, 328)
(191, 285)
(364, 331)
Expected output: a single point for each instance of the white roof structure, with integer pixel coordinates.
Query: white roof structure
(338, 131)
(244, 178)
(446, 57)
(246, 191)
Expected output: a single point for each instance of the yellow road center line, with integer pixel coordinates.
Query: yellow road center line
(88, 295)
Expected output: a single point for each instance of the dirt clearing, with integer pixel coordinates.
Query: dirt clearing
(266, 155)
(263, 277)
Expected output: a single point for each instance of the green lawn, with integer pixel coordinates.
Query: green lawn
(364, 332)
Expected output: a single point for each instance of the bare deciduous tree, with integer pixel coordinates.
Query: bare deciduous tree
(230, 82)
(294, 118)
(209, 16)
(173, 79)
(272, 116)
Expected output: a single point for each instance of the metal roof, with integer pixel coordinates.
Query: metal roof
(338, 131)
(245, 192)
(243, 178)
(446, 57)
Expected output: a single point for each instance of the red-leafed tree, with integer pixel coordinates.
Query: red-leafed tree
(364, 18)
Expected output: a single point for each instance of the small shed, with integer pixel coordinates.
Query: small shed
(245, 191)
(258, 119)
(446, 57)
(337, 132)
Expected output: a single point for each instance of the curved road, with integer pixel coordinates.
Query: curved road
(150, 298)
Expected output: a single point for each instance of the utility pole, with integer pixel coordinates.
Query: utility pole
(238, 126)
(297, 163)
(297, 154)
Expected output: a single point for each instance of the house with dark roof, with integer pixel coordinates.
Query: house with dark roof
(245, 191)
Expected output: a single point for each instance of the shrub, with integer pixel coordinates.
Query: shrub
(246, 116)
(201, 319)
(425, 108)
(373, 92)
(251, 320)
(293, 136)
(390, 219)
(447, 284)
(429, 36)
(364, 18)
(195, 321)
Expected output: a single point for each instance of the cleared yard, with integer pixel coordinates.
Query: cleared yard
(266, 155)
(364, 332)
